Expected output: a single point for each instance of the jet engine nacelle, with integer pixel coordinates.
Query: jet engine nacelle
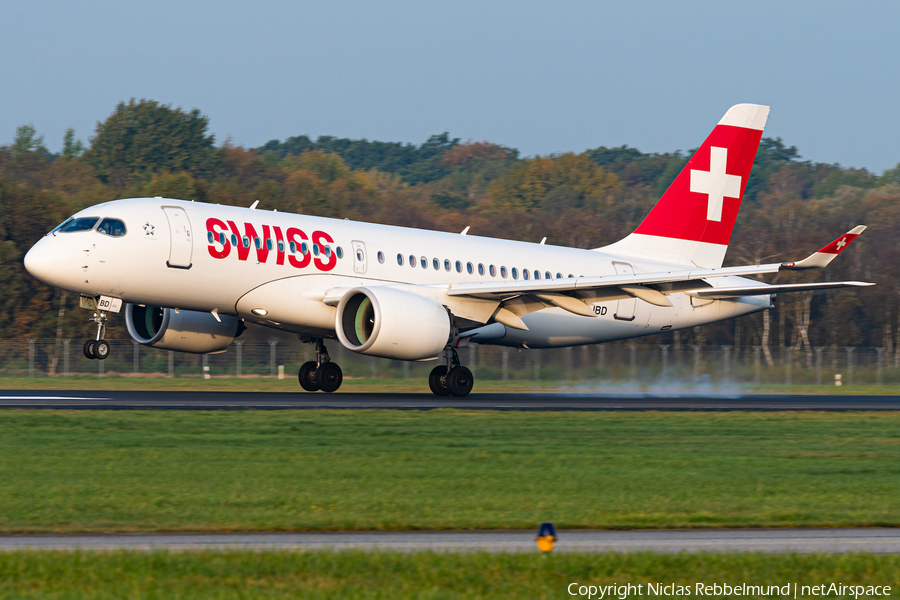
(184, 330)
(391, 323)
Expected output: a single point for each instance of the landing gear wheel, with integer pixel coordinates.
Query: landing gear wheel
(101, 349)
(329, 377)
(307, 377)
(460, 381)
(437, 381)
(89, 349)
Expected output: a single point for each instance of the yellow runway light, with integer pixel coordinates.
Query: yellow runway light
(546, 537)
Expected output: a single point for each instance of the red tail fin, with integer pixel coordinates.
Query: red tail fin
(692, 222)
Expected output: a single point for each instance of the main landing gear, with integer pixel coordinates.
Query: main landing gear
(98, 348)
(452, 378)
(320, 374)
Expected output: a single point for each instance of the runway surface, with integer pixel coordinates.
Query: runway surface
(124, 400)
(875, 540)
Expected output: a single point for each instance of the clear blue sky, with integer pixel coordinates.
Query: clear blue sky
(538, 76)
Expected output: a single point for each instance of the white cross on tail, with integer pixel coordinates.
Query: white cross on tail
(842, 243)
(716, 183)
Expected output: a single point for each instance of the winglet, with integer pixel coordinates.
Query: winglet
(820, 259)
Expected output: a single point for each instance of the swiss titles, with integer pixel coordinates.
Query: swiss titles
(270, 244)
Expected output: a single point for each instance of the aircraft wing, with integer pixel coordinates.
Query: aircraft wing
(504, 289)
(578, 294)
(676, 280)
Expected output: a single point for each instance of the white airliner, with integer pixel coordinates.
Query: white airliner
(416, 295)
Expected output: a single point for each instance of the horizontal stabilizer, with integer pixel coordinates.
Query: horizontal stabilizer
(761, 290)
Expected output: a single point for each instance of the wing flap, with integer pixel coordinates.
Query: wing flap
(761, 290)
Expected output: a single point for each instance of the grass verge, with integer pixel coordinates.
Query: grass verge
(420, 575)
(393, 470)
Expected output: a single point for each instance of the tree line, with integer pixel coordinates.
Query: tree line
(588, 199)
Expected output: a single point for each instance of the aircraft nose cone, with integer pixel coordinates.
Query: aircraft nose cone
(40, 261)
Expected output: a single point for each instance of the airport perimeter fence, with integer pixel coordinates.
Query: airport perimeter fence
(615, 363)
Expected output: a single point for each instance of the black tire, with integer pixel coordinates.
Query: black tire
(101, 349)
(329, 377)
(307, 377)
(460, 381)
(437, 381)
(89, 349)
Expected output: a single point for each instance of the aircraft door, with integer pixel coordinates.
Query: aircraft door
(181, 239)
(625, 308)
(359, 257)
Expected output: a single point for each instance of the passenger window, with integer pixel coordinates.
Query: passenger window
(470, 268)
(79, 224)
(446, 265)
(116, 228)
(480, 269)
(380, 257)
(268, 244)
(339, 251)
(327, 251)
(221, 236)
(412, 261)
(458, 267)
(210, 238)
(234, 240)
(293, 248)
(359, 254)
(246, 241)
(559, 275)
(257, 243)
(424, 262)
(304, 249)
(547, 275)
(493, 270)
(537, 274)
(515, 273)
(571, 276)
(315, 249)
(503, 272)
(280, 246)
(436, 264)
(525, 274)
(400, 259)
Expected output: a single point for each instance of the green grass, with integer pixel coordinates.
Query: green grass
(392, 470)
(410, 386)
(420, 575)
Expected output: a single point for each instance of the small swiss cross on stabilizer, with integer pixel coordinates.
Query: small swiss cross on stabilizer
(827, 254)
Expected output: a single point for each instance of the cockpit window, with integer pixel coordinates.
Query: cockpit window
(61, 225)
(113, 227)
(79, 224)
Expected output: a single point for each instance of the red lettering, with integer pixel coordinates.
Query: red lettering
(262, 253)
(317, 238)
(279, 245)
(211, 227)
(242, 250)
(292, 234)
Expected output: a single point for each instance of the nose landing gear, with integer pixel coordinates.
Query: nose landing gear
(452, 378)
(320, 374)
(98, 348)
